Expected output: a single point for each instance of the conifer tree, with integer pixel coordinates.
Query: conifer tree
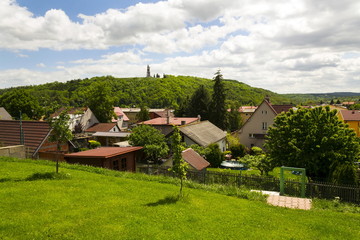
(218, 112)
(199, 103)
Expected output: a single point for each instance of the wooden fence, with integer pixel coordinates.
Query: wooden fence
(324, 190)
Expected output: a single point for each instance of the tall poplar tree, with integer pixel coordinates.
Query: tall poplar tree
(218, 112)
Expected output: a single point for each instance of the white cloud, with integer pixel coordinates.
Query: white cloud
(282, 45)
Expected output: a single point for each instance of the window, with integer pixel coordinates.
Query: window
(116, 165)
(251, 135)
(264, 126)
(264, 111)
(123, 164)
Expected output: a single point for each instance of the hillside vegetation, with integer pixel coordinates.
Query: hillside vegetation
(152, 92)
(93, 203)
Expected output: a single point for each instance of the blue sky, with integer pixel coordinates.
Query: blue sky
(287, 46)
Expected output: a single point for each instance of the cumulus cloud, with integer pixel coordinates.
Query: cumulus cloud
(282, 45)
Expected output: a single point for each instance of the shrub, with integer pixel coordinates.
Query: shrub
(94, 144)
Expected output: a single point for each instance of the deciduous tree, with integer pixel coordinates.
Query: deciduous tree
(60, 133)
(314, 139)
(179, 167)
(151, 139)
(100, 101)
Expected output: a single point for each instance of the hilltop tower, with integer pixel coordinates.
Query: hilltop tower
(148, 71)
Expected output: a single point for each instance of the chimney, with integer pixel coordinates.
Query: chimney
(168, 116)
(183, 123)
(267, 98)
(199, 118)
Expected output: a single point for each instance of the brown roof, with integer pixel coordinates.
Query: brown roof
(103, 152)
(101, 127)
(172, 121)
(35, 133)
(194, 159)
(350, 115)
(119, 112)
(282, 108)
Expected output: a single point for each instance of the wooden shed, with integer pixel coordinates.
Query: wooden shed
(116, 158)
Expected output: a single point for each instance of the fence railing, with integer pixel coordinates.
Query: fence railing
(324, 190)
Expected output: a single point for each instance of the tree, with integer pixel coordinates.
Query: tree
(151, 139)
(100, 101)
(199, 103)
(314, 139)
(218, 114)
(237, 150)
(21, 100)
(214, 155)
(179, 167)
(60, 133)
(234, 118)
(143, 115)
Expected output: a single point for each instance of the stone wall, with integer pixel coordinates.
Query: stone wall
(17, 151)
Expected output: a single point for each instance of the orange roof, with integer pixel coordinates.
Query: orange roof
(350, 115)
(172, 121)
(194, 159)
(103, 152)
(101, 127)
(119, 112)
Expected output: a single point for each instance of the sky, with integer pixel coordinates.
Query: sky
(286, 46)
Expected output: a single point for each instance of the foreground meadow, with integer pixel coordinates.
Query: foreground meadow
(86, 203)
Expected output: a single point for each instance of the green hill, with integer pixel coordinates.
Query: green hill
(93, 203)
(153, 92)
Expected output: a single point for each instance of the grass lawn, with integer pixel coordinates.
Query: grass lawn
(90, 205)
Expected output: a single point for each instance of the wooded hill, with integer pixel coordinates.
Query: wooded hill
(152, 92)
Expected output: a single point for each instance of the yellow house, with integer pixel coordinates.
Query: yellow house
(351, 117)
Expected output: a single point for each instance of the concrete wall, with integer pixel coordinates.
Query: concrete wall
(18, 151)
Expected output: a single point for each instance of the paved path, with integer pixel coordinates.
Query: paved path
(289, 202)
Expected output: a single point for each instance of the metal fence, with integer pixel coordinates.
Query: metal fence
(324, 190)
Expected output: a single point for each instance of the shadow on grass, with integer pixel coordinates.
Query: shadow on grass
(166, 201)
(5, 180)
(47, 176)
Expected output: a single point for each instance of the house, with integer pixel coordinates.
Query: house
(116, 158)
(165, 124)
(246, 112)
(351, 117)
(33, 134)
(122, 119)
(253, 132)
(80, 118)
(107, 133)
(4, 115)
(203, 134)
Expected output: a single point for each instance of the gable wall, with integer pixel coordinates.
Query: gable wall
(254, 125)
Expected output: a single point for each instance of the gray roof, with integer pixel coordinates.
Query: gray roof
(111, 134)
(203, 133)
(4, 115)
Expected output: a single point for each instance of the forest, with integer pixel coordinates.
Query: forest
(154, 92)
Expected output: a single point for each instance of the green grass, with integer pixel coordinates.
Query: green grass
(91, 203)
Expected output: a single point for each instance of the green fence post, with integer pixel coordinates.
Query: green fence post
(303, 183)
(282, 181)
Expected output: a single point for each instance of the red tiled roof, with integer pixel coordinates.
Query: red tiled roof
(172, 121)
(281, 108)
(103, 152)
(101, 127)
(119, 112)
(350, 115)
(194, 159)
(34, 133)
